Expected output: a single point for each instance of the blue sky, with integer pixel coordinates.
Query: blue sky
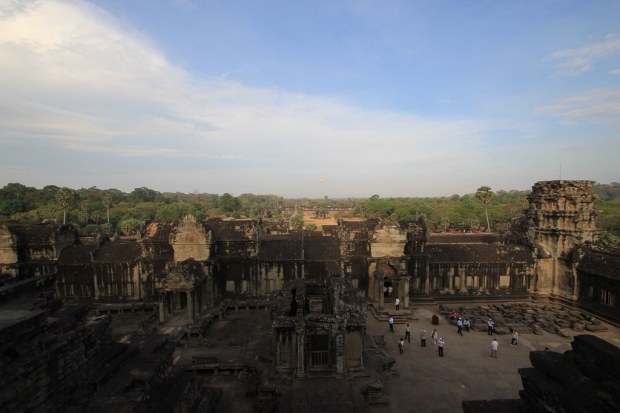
(396, 98)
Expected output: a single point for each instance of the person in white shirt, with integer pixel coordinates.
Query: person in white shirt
(494, 346)
(397, 303)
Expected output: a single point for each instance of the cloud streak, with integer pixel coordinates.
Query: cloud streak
(575, 62)
(596, 107)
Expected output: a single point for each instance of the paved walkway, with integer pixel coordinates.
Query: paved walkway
(427, 383)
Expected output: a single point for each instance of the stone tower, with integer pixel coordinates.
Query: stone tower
(561, 218)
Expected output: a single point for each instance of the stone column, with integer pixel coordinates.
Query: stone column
(379, 285)
(339, 354)
(427, 283)
(301, 355)
(162, 308)
(463, 278)
(190, 306)
(406, 286)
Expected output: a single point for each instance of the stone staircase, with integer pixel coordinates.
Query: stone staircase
(401, 316)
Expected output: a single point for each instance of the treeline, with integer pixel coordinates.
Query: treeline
(96, 210)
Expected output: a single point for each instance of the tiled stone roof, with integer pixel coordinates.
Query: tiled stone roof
(483, 238)
(605, 264)
(482, 253)
(123, 250)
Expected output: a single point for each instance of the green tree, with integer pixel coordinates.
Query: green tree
(47, 212)
(484, 194)
(131, 226)
(297, 221)
(228, 203)
(64, 197)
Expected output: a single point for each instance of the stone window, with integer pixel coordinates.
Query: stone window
(607, 298)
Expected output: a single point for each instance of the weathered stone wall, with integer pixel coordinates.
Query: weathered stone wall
(561, 217)
(51, 367)
(388, 240)
(8, 253)
(191, 240)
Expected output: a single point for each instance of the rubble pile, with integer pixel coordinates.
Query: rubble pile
(527, 318)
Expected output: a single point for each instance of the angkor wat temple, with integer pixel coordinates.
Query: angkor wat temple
(188, 268)
(191, 265)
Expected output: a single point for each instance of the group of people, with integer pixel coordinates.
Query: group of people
(440, 342)
(436, 340)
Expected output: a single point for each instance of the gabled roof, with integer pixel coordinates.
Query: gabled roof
(320, 248)
(237, 230)
(159, 232)
(478, 253)
(77, 254)
(604, 264)
(281, 247)
(123, 250)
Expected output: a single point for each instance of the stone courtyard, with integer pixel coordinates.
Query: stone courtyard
(420, 381)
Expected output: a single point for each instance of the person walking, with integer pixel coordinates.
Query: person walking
(494, 346)
(466, 324)
(515, 339)
(391, 323)
(423, 337)
(401, 346)
(434, 336)
(408, 333)
(459, 326)
(397, 304)
(490, 326)
(440, 343)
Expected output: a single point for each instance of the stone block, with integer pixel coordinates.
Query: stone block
(596, 328)
(599, 359)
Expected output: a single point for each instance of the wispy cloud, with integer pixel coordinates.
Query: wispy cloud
(614, 72)
(574, 62)
(598, 107)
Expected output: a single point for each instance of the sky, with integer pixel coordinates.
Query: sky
(304, 98)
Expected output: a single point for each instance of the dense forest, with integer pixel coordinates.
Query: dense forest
(95, 211)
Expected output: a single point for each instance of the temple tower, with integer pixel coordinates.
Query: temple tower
(561, 218)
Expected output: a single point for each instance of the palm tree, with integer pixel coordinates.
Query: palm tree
(484, 195)
(64, 196)
(107, 203)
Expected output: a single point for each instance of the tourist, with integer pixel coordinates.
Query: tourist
(440, 343)
(408, 333)
(401, 345)
(453, 314)
(423, 337)
(466, 324)
(459, 326)
(389, 290)
(384, 291)
(515, 339)
(494, 346)
(397, 304)
(391, 323)
(434, 336)
(490, 326)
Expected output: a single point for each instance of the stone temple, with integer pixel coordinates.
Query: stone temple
(63, 299)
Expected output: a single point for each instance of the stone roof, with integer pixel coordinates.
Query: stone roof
(35, 234)
(320, 248)
(78, 254)
(237, 230)
(123, 250)
(602, 263)
(362, 226)
(159, 231)
(482, 238)
(281, 247)
(478, 253)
